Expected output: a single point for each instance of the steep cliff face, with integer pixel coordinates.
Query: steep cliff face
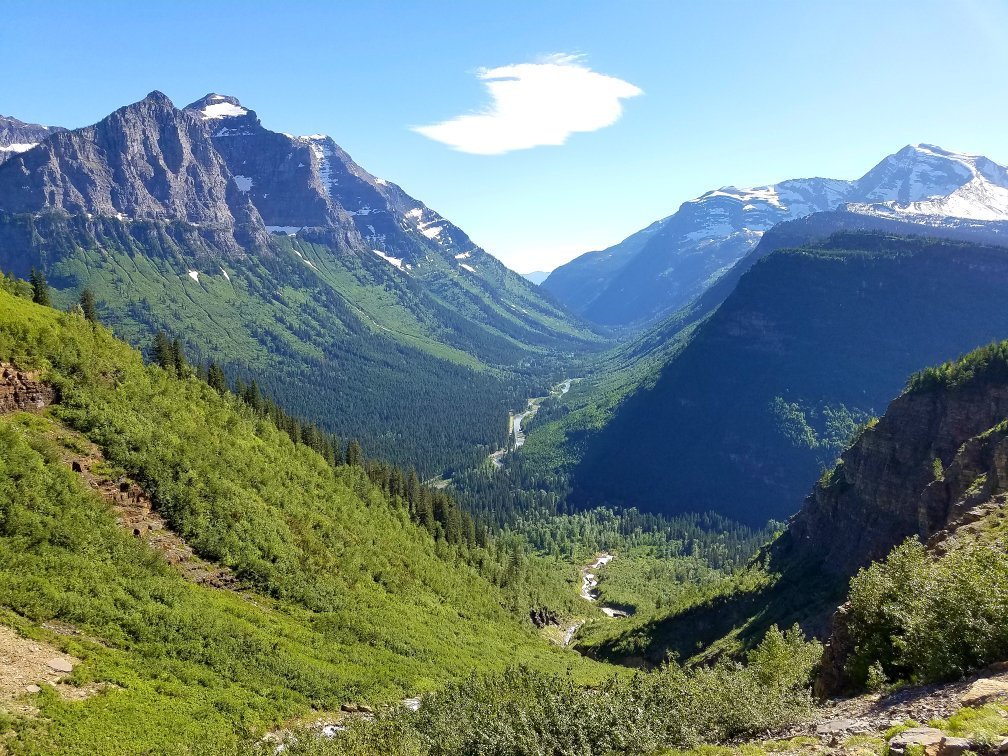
(935, 467)
(311, 186)
(908, 475)
(280, 174)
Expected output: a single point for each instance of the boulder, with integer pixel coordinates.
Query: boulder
(954, 746)
(928, 738)
(843, 727)
(985, 690)
(60, 665)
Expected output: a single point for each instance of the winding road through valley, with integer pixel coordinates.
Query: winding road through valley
(497, 458)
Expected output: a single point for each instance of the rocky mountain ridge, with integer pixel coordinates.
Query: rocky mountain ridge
(280, 256)
(17, 136)
(923, 470)
(145, 161)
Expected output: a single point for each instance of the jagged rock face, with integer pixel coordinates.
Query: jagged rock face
(22, 391)
(17, 136)
(146, 161)
(917, 430)
(885, 489)
(543, 617)
(279, 173)
(310, 184)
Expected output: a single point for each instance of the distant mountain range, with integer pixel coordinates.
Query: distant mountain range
(278, 256)
(664, 266)
(537, 276)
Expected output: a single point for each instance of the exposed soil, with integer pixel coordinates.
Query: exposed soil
(26, 665)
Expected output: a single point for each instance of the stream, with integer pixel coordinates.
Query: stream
(589, 592)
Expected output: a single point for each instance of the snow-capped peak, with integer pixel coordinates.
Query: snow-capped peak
(927, 182)
(214, 106)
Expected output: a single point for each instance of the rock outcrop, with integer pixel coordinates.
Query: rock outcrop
(17, 136)
(543, 617)
(935, 466)
(912, 474)
(22, 391)
(310, 185)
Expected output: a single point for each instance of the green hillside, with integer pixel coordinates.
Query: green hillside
(339, 596)
(422, 367)
(812, 342)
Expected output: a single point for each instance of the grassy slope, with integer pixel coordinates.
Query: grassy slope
(349, 601)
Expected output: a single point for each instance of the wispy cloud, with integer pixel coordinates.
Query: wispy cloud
(535, 104)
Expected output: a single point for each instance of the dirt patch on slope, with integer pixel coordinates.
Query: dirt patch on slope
(26, 665)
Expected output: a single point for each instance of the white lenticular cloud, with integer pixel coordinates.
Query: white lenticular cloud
(535, 104)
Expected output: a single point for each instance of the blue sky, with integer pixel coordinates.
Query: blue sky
(739, 93)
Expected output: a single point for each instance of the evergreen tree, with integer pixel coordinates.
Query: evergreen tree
(178, 357)
(87, 303)
(40, 288)
(163, 354)
(354, 454)
(216, 377)
(250, 394)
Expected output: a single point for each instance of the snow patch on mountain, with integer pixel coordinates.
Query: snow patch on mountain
(320, 151)
(244, 183)
(223, 110)
(18, 147)
(963, 186)
(393, 261)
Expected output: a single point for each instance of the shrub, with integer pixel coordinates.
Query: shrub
(525, 712)
(919, 618)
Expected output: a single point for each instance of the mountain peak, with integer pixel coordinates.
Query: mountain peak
(158, 97)
(213, 106)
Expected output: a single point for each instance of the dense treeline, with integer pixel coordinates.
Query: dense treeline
(987, 364)
(519, 499)
(435, 510)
